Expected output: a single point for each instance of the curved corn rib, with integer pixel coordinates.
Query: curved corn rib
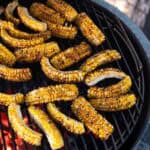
(7, 99)
(122, 102)
(70, 124)
(6, 56)
(111, 91)
(19, 126)
(63, 8)
(14, 32)
(102, 74)
(60, 31)
(61, 76)
(19, 43)
(44, 13)
(35, 53)
(16, 75)
(10, 10)
(92, 120)
(29, 21)
(99, 59)
(62, 92)
(71, 56)
(89, 29)
(52, 133)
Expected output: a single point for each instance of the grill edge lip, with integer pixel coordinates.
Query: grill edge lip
(144, 51)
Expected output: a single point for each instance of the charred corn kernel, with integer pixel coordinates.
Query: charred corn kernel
(64, 32)
(44, 13)
(29, 21)
(6, 56)
(35, 53)
(89, 29)
(95, 122)
(119, 103)
(99, 59)
(111, 91)
(9, 12)
(70, 124)
(16, 75)
(7, 99)
(19, 43)
(62, 92)
(71, 56)
(61, 76)
(102, 74)
(19, 126)
(52, 133)
(63, 8)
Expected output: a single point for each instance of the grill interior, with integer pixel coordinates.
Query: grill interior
(124, 122)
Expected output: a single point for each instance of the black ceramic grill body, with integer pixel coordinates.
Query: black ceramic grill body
(128, 124)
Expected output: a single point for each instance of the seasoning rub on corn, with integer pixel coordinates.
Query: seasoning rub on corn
(19, 126)
(92, 120)
(52, 133)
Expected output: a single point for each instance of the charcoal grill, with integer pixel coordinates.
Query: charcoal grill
(128, 124)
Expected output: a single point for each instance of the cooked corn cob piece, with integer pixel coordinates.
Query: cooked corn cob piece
(10, 10)
(71, 56)
(29, 21)
(62, 92)
(19, 126)
(60, 31)
(7, 99)
(44, 13)
(99, 59)
(19, 43)
(14, 32)
(102, 74)
(89, 29)
(119, 103)
(51, 131)
(6, 56)
(63, 8)
(15, 75)
(111, 91)
(70, 124)
(35, 53)
(92, 120)
(61, 76)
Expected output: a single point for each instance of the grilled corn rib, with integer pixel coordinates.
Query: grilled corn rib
(63, 8)
(19, 126)
(14, 32)
(61, 76)
(99, 59)
(7, 99)
(111, 91)
(29, 21)
(122, 102)
(71, 56)
(16, 75)
(52, 133)
(102, 74)
(60, 31)
(10, 10)
(62, 92)
(6, 56)
(19, 43)
(92, 120)
(35, 53)
(89, 29)
(70, 124)
(44, 13)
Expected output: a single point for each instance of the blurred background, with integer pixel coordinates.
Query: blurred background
(137, 10)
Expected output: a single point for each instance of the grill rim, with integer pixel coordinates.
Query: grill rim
(144, 52)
